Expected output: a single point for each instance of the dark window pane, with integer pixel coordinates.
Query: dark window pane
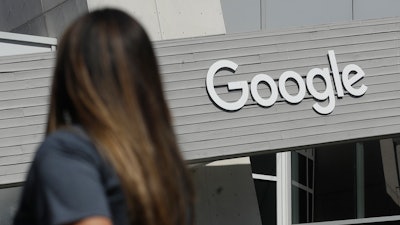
(310, 208)
(302, 169)
(264, 164)
(295, 166)
(334, 191)
(310, 171)
(299, 205)
(299, 168)
(266, 196)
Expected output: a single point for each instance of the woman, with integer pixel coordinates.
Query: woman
(110, 155)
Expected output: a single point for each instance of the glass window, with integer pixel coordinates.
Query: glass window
(300, 207)
(264, 164)
(302, 171)
(356, 182)
(334, 187)
(266, 197)
(381, 171)
(264, 174)
(346, 181)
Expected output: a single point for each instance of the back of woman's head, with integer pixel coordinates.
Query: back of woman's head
(107, 80)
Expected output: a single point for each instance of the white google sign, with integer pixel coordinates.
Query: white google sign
(351, 74)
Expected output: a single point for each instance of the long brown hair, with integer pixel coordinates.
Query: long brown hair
(107, 80)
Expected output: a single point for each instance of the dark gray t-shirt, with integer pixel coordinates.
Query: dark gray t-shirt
(69, 180)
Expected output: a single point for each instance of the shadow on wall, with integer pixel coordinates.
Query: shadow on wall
(225, 194)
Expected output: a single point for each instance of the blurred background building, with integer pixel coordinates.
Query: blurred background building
(346, 179)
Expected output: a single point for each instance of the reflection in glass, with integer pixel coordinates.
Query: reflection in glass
(390, 169)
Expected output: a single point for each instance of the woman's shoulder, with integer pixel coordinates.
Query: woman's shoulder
(71, 142)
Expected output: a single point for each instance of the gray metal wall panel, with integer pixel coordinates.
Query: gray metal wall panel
(285, 14)
(24, 89)
(36, 26)
(15, 13)
(205, 132)
(241, 15)
(372, 9)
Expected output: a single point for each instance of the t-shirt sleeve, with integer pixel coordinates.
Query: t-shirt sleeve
(70, 186)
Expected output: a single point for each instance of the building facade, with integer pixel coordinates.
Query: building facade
(292, 117)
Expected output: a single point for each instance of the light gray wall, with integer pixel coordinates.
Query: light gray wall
(171, 19)
(59, 17)
(287, 14)
(14, 13)
(162, 19)
(252, 15)
(39, 17)
(241, 15)
(372, 9)
(50, 17)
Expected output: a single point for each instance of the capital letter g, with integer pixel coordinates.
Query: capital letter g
(237, 85)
